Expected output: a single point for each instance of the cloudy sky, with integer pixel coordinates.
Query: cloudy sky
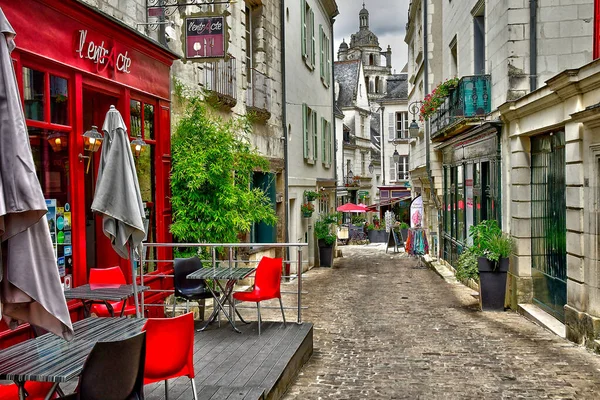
(387, 19)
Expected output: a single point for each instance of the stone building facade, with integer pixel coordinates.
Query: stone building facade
(247, 80)
(519, 149)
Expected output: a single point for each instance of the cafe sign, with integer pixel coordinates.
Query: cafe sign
(205, 37)
(102, 55)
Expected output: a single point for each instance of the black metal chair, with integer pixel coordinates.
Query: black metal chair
(189, 289)
(113, 371)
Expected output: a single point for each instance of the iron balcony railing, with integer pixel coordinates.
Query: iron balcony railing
(219, 77)
(471, 98)
(258, 93)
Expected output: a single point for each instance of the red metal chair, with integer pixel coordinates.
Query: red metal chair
(35, 391)
(267, 282)
(170, 350)
(109, 276)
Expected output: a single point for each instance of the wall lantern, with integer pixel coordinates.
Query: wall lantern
(138, 146)
(396, 156)
(92, 140)
(58, 141)
(371, 167)
(413, 129)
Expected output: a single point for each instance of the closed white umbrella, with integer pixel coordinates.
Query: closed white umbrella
(30, 287)
(117, 195)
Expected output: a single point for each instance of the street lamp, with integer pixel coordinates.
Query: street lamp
(371, 167)
(414, 128)
(396, 156)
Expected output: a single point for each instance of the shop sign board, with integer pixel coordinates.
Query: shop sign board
(205, 37)
(101, 54)
(416, 212)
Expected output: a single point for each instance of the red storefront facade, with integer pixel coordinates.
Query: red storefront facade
(72, 63)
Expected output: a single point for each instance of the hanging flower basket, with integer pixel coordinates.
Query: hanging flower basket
(307, 209)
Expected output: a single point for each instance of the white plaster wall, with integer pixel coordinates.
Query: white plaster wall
(388, 147)
(304, 85)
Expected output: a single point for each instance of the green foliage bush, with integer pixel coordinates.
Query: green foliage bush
(211, 177)
(467, 266)
(324, 229)
(489, 241)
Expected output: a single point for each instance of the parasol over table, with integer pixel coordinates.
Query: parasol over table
(118, 197)
(30, 287)
(351, 207)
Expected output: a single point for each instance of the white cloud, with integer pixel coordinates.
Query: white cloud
(387, 19)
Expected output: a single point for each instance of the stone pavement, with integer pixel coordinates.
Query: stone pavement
(387, 330)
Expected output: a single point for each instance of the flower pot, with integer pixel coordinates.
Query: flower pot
(326, 256)
(377, 236)
(307, 214)
(492, 283)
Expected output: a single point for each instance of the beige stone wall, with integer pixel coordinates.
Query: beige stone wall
(572, 110)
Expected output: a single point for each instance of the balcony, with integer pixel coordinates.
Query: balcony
(258, 95)
(219, 81)
(465, 106)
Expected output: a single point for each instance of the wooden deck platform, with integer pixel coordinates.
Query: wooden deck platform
(230, 365)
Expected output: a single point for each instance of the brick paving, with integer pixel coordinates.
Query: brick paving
(387, 330)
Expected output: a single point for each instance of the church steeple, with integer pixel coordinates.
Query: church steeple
(363, 18)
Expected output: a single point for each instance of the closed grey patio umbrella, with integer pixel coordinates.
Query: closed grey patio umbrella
(117, 195)
(30, 287)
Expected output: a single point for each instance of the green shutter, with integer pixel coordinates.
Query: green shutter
(323, 141)
(329, 144)
(305, 129)
(315, 136)
(321, 41)
(312, 32)
(303, 27)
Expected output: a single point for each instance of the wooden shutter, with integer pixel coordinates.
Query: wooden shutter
(312, 32)
(322, 60)
(305, 129)
(392, 170)
(315, 136)
(323, 141)
(329, 144)
(392, 127)
(303, 27)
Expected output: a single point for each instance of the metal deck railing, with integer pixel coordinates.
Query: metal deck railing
(231, 250)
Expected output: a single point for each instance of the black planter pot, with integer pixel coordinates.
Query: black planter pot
(492, 283)
(326, 256)
(377, 236)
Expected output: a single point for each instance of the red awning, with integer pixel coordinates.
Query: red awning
(387, 202)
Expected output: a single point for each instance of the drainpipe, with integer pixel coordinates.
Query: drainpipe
(533, 45)
(285, 136)
(427, 129)
(333, 121)
(382, 141)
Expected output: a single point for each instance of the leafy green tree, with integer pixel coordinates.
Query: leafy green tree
(213, 163)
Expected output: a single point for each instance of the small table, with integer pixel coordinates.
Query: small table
(231, 275)
(102, 293)
(49, 358)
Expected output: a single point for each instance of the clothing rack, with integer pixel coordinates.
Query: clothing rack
(416, 243)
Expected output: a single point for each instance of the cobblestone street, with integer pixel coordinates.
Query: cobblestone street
(387, 330)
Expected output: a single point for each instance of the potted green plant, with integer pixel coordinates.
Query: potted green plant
(376, 234)
(307, 209)
(326, 239)
(404, 230)
(492, 248)
(310, 195)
